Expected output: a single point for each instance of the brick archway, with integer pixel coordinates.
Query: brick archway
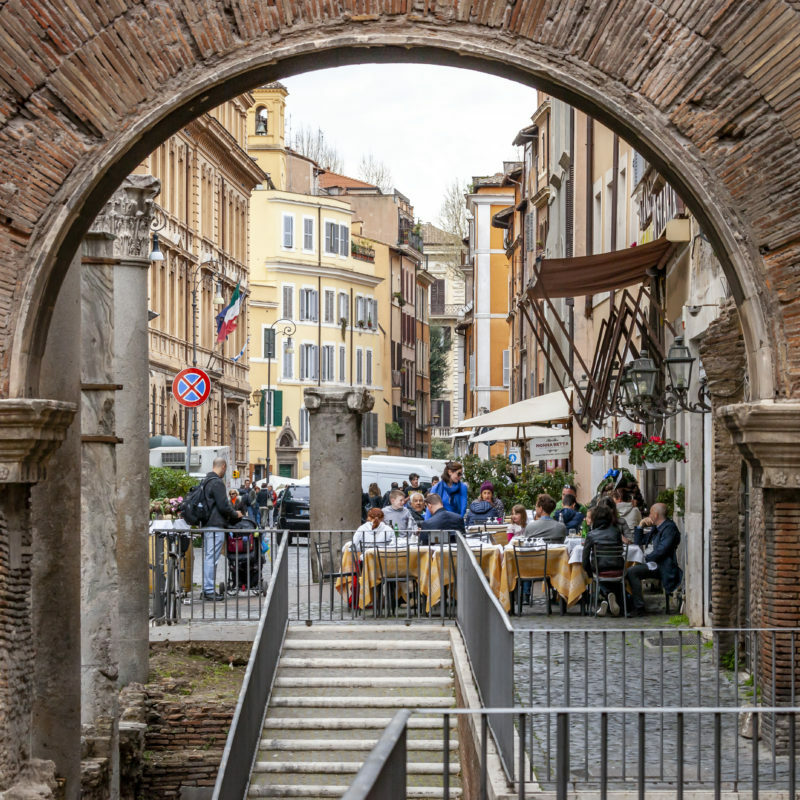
(80, 108)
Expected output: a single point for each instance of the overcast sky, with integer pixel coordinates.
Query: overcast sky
(429, 124)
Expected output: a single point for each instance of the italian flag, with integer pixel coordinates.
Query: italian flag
(226, 319)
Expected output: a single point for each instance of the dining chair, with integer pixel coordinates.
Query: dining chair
(614, 558)
(393, 568)
(535, 563)
(324, 556)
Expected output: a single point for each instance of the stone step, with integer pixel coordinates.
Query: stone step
(328, 790)
(353, 745)
(392, 631)
(358, 725)
(376, 671)
(345, 767)
(350, 663)
(355, 703)
(353, 681)
(365, 691)
(365, 644)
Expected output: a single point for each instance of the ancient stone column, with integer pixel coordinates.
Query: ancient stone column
(767, 434)
(335, 441)
(30, 431)
(99, 575)
(127, 216)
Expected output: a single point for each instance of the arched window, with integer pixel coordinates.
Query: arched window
(262, 120)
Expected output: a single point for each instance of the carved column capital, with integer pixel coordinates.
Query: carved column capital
(354, 401)
(128, 214)
(768, 436)
(30, 432)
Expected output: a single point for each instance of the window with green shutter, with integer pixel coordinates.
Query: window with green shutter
(262, 410)
(277, 408)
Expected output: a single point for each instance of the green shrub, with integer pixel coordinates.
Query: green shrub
(510, 487)
(166, 482)
(441, 449)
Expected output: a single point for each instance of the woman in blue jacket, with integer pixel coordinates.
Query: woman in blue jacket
(451, 489)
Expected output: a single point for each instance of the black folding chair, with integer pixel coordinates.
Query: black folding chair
(535, 560)
(324, 555)
(614, 558)
(389, 557)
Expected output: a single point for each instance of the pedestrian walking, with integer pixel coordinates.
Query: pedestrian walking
(222, 515)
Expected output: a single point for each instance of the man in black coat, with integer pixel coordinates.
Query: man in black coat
(223, 515)
(439, 520)
(661, 560)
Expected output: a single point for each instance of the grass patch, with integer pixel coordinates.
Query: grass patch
(678, 620)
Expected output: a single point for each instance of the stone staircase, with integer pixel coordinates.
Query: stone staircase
(336, 689)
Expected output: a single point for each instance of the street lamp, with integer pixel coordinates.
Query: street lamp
(288, 328)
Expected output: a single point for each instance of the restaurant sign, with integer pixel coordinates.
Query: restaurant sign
(546, 447)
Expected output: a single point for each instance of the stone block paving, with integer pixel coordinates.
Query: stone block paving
(638, 662)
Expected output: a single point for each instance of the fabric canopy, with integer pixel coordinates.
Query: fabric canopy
(583, 275)
(522, 432)
(545, 408)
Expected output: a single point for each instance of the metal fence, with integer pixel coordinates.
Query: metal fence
(657, 668)
(244, 735)
(489, 639)
(209, 574)
(606, 777)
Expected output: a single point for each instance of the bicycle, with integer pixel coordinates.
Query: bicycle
(171, 593)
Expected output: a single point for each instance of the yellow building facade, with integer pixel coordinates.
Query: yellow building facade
(315, 299)
(206, 178)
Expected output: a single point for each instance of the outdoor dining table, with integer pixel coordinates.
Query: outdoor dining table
(432, 566)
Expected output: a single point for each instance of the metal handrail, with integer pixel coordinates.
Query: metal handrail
(489, 639)
(241, 746)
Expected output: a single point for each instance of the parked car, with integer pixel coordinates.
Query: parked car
(293, 510)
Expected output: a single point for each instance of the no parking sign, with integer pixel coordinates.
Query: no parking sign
(191, 387)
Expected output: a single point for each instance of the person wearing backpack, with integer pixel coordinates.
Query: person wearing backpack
(221, 514)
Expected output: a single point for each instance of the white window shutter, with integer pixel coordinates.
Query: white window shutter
(288, 302)
(288, 232)
(506, 367)
(344, 240)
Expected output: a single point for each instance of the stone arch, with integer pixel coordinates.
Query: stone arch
(678, 91)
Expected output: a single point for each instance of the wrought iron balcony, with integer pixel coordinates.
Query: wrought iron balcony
(407, 237)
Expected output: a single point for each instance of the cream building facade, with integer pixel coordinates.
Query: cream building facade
(206, 179)
(318, 314)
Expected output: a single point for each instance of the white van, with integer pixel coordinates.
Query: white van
(385, 470)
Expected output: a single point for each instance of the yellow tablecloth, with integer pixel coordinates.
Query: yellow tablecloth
(569, 580)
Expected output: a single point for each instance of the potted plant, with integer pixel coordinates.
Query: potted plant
(650, 453)
(343, 325)
(360, 323)
(394, 433)
(369, 322)
(400, 299)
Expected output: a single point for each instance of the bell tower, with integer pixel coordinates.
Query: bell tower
(265, 131)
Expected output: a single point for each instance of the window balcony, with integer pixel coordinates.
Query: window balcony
(406, 236)
(362, 252)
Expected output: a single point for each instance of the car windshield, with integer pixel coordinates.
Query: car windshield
(297, 493)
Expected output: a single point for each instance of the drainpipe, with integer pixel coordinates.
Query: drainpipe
(319, 296)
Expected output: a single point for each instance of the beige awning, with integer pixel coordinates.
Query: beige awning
(519, 432)
(551, 407)
(582, 275)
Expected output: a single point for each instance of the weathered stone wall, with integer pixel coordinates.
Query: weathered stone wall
(723, 356)
(692, 90)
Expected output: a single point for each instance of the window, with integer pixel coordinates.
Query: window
(372, 313)
(269, 342)
(288, 302)
(309, 362)
(309, 305)
(344, 240)
(330, 302)
(308, 234)
(331, 238)
(344, 306)
(369, 430)
(304, 426)
(288, 232)
(288, 359)
(361, 317)
(342, 362)
(369, 367)
(506, 367)
(327, 362)
(359, 366)
(437, 297)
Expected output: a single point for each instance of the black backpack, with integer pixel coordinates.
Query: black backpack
(196, 508)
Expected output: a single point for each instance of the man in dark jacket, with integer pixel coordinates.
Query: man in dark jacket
(661, 560)
(223, 515)
(604, 534)
(439, 520)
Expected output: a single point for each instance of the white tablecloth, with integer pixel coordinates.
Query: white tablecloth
(575, 550)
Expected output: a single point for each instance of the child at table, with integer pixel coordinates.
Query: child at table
(519, 519)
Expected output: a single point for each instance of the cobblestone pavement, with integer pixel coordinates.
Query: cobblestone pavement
(639, 662)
